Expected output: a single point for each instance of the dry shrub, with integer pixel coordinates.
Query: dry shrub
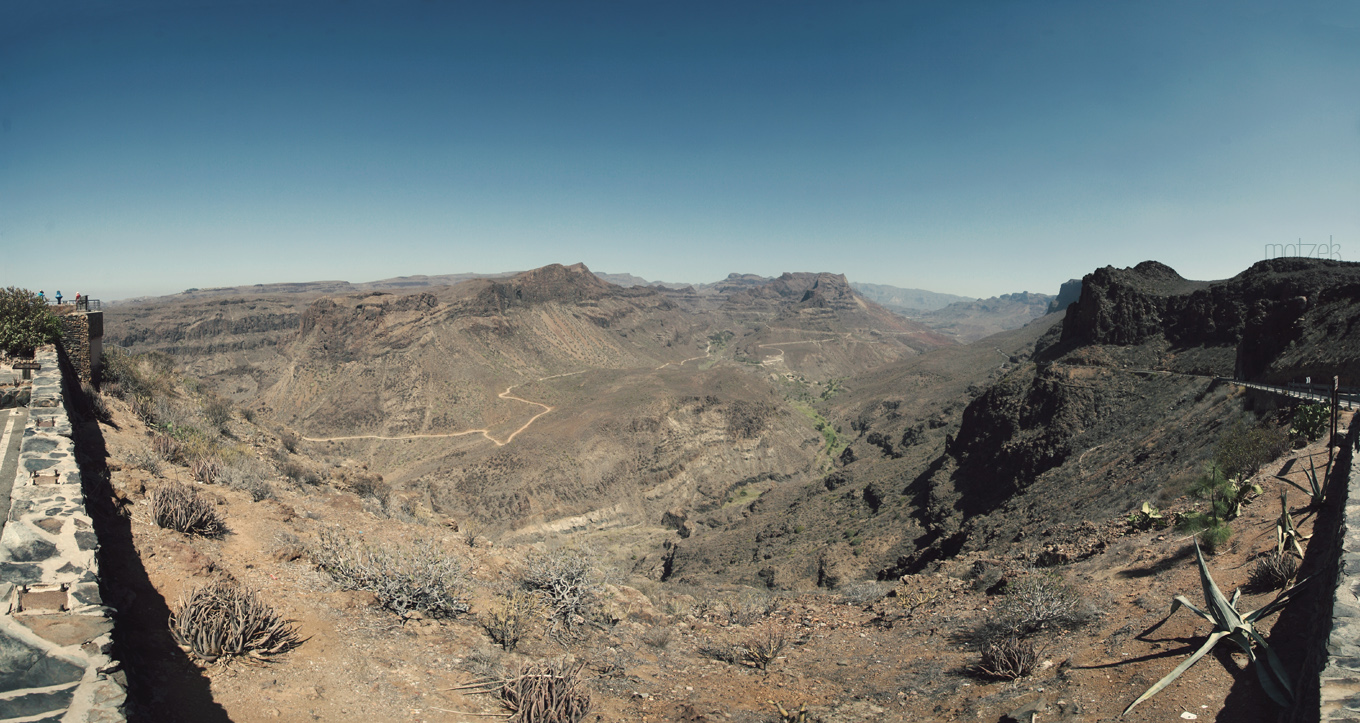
(405, 578)
(546, 692)
(1273, 572)
(248, 474)
(510, 617)
(177, 506)
(145, 459)
(206, 469)
(566, 580)
(721, 648)
(216, 410)
(763, 644)
(224, 619)
(658, 637)
(1009, 658)
(485, 661)
(1041, 600)
(166, 447)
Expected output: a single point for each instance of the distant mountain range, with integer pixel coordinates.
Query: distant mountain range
(960, 317)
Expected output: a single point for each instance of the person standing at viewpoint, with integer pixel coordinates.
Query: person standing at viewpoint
(58, 295)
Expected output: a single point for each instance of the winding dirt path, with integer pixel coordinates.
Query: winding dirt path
(484, 432)
(776, 345)
(707, 351)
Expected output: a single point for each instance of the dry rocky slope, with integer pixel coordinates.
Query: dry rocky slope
(789, 436)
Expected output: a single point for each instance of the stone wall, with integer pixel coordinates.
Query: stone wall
(82, 338)
(55, 631)
(1339, 680)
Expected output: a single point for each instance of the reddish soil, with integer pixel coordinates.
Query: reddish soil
(846, 660)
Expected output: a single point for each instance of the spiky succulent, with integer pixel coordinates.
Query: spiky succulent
(1285, 531)
(1237, 627)
(1316, 485)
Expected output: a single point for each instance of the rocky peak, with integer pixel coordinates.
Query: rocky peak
(551, 283)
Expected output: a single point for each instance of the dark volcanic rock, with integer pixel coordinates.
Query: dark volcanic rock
(1261, 312)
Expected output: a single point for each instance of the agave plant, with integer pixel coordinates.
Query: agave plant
(1240, 629)
(1316, 485)
(1286, 532)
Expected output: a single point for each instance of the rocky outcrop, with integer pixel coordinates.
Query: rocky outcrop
(1068, 294)
(552, 283)
(1260, 313)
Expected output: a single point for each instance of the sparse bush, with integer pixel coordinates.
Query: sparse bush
(144, 458)
(206, 469)
(169, 414)
(1041, 600)
(762, 645)
(749, 607)
(405, 579)
(289, 441)
(546, 692)
(657, 637)
(915, 595)
(98, 406)
(247, 474)
(165, 447)
(1273, 571)
(485, 661)
(510, 617)
(720, 648)
(217, 411)
(194, 443)
(566, 580)
(224, 619)
(372, 486)
(1009, 658)
(299, 473)
(866, 592)
(177, 506)
(470, 531)
(287, 547)
(1244, 449)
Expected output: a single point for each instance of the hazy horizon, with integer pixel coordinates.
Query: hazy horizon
(959, 148)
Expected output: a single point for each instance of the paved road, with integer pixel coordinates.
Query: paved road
(1345, 402)
(12, 423)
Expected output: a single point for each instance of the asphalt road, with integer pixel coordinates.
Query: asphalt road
(11, 434)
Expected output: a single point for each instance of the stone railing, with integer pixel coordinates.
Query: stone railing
(1339, 679)
(55, 632)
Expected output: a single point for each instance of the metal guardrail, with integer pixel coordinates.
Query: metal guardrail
(83, 304)
(1312, 392)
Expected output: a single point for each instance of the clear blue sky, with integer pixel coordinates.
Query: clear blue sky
(975, 148)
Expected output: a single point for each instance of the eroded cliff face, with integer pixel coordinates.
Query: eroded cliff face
(1260, 313)
(1096, 419)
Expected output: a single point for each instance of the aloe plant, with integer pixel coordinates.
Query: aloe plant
(1286, 532)
(1316, 487)
(1240, 629)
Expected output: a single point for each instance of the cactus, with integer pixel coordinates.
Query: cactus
(1240, 629)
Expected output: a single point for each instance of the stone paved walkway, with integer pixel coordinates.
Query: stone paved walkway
(55, 632)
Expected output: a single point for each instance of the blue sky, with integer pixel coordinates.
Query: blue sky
(975, 148)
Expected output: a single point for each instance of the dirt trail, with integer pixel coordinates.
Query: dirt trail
(776, 345)
(707, 350)
(484, 432)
